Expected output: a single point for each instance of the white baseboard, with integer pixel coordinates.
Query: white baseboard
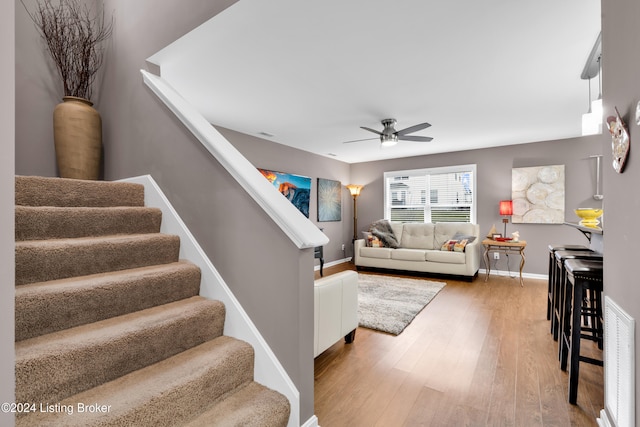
(332, 263)
(483, 272)
(311, 422)
(604, 421)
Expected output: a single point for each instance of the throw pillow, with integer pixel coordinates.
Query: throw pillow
(460, 245)
(448, 245)
(383, 231)
(372, 241)
(462, 236)
(454, 245)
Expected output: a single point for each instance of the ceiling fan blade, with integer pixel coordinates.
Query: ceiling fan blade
(415, 138)
(414, 128)
(359, 140)
(371, 130)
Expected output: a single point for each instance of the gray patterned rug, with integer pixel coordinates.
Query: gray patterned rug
(389, 304)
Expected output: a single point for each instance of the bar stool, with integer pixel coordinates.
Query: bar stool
(558, 283)
(582, 275)
(552, 262)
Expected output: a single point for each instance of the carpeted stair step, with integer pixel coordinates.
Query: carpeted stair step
(46, 307)
(52, 222)
(41, 191)
(43, 260)
(251, 406)
(52, 367)
(168, 393)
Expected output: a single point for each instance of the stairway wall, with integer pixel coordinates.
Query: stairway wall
(271, 278)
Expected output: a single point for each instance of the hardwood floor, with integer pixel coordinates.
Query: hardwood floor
(480, 354)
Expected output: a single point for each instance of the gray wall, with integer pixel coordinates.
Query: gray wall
(7, 236)
(494, 184)
(621, 70)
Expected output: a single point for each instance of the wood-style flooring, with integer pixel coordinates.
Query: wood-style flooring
(480, 354)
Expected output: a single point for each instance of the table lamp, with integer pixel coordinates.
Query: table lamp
(506, 210)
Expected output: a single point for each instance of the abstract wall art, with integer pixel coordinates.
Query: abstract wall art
(295, 188)
(329, 200)
(538, 194)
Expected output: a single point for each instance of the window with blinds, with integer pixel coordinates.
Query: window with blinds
(431, 195)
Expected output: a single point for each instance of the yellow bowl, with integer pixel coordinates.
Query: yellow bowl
(589, 216)
(588, 213)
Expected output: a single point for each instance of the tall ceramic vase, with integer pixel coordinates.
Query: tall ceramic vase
(77, 133)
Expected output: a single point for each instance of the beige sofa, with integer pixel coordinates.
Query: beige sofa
(420, 249)
(335, 310)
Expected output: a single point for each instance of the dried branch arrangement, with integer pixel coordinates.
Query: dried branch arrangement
(73, 33)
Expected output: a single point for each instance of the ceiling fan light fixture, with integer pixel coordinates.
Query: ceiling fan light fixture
(388, 140)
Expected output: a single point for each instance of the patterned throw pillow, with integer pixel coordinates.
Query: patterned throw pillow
(454, 245)
(460, 245)
(372, 241)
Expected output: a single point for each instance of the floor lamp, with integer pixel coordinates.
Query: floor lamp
(355, 189)
(506, 210)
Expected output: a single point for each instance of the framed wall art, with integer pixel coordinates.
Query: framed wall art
(329, 200)
(296, 188)
(538, 194)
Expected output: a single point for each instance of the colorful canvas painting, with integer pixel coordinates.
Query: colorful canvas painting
(538, 194)
(329, 200)
(295, 188)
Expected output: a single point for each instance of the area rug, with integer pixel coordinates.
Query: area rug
(389, 304)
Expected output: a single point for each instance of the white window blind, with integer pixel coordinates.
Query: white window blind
(431, 195)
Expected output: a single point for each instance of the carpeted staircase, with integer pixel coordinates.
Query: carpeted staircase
(110, 330)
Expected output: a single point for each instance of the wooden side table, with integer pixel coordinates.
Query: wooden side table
(505, 248)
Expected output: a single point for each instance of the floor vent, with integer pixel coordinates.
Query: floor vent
(619, 367)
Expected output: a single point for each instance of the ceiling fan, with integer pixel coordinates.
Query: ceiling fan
(390, 136)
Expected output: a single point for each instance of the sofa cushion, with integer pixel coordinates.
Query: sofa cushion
(446, 257)
(444, 231)
(418, 236)
(382, 253)
(409, 254)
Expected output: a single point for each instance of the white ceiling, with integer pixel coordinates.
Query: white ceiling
(483, 73)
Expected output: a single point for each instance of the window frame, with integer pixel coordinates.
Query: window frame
(387, 197)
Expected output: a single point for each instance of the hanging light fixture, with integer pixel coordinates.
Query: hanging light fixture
(592, 120)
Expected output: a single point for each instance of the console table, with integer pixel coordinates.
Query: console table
(505, 248)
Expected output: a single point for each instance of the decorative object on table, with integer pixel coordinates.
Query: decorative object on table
(296, 188)
(492, 231)
(496, 236)
(538, 194)
(74, 34)
(589, 216)
(329, 200)
(355, 190)
(620, 141)
(515, 236)
(389, 304)
(506, 210)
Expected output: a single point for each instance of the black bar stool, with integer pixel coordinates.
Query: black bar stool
(558, 283)
(582, 275)
(552, 263)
